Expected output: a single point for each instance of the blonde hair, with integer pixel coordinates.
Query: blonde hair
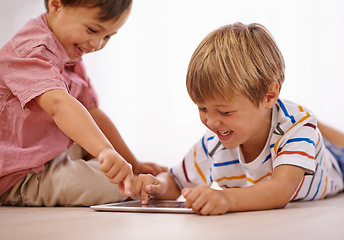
(235, 59)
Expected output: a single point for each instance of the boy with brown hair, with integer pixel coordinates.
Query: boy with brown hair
(47, 103)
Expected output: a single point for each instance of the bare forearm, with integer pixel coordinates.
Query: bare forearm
(331, 134)
(274, 193)
(74, 120)
(172, 191)
(255, 198)
(112, 134)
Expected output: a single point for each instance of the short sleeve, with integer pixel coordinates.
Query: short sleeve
(298, 146)
(33, 74)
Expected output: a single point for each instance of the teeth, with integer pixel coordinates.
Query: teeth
(82, 50)
(224, 133)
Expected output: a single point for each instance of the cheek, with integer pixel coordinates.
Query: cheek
(76, 35)
(246, 125)
(67, 37)
(203, 118)
(236, 123)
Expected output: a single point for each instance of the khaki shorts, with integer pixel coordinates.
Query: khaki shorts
(67, 180)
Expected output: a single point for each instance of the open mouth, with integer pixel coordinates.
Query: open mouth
(225, 133)
(81, 49)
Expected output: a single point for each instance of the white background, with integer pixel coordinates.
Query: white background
(140, 75)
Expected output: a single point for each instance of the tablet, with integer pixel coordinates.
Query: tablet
(162, 206)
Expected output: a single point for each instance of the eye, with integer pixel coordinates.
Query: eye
(108, 37)
(91, 30)
(225, 113)
(202, 109)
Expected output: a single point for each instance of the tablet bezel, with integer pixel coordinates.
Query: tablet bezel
(152, 206)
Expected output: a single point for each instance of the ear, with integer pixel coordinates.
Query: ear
(54, 6)
(272, 95)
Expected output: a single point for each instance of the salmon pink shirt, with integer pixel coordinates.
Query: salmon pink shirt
(32, 63)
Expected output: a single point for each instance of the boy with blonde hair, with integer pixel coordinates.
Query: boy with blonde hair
(261, 150)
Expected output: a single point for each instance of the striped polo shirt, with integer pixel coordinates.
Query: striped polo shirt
(294, 139)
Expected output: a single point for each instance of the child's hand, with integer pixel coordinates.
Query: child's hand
(205, 200)
(117, 170)
(146, 186)
(147, 167)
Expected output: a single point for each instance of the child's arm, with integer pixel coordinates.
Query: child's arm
(162, 186)
(76, 122)
(274, 193)
(331, 134)
(111, 132)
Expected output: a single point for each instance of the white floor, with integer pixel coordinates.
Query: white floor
(322, 219)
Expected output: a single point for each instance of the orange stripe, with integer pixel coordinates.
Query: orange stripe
(252, 181)
(198, 168)
(298, 190)
(231, 178)
(242, 177)
(301, 120)
(322, 196)
(296, 152)
(318, 140)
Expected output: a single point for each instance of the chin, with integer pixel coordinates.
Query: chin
(229, 146)
(71, 61)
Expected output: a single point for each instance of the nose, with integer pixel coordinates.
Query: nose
(212, 121)
(96, 43)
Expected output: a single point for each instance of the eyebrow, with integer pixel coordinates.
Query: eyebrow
(220, 105)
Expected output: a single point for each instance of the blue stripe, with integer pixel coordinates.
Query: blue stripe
(267, 158)
(226, 163)
(203, 144)
(210, 138)
(175, 178)
(204, 148)
(300, 140)
(322, 171)
(286, 112)
(322, 157)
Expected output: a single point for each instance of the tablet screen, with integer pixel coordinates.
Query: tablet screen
(170, 206)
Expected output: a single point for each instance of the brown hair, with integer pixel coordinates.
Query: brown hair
(110, 9)
(235, 59)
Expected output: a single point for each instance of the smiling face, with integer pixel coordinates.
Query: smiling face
(79, 30)
(238, 122)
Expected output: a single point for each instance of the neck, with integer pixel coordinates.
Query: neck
(252, 148)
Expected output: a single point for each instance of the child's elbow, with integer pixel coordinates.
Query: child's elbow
(282, 202)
